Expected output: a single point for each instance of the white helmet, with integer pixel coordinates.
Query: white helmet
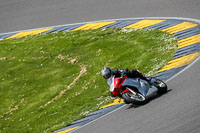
(106, 72)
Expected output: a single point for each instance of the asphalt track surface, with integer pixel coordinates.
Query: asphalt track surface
(178, 111)
(27, 14)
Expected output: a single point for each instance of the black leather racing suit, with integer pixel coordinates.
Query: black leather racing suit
(129, 73)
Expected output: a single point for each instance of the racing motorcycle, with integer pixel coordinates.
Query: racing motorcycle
(136, 90)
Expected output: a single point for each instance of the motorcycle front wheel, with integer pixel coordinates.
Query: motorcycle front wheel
(138, 99)
(162, 86)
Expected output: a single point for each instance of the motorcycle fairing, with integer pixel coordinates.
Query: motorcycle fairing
(141, 85)
(110, 82)
(115, 85)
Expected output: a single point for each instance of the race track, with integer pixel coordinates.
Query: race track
(178, 111)
(28, 14)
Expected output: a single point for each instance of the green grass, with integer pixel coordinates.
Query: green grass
(36, 70)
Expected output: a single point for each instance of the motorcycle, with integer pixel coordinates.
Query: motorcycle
(136, 90)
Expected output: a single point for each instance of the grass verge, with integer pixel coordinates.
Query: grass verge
(48, 81)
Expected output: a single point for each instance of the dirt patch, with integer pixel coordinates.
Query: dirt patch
(3, 58)
(71, 60)
(83, 71)
(99, 52)
(11, 110)
(62, 57)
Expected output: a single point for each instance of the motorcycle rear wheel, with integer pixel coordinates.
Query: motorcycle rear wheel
(131, 98)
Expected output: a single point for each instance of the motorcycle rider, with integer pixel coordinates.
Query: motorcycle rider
(107, 73)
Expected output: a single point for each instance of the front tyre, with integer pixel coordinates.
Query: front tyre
(162, 86)
(138, 99)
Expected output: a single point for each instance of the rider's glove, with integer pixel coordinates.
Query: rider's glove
(126, 71)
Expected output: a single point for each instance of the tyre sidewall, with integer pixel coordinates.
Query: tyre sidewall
(127, 99)
(161, 90)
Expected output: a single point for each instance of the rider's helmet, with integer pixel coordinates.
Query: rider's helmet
(106, 72)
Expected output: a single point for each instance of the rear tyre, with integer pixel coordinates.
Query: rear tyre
(135, 99)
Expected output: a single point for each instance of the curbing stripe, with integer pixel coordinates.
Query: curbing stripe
(121, 24)
(164, 24)
(144, 23)
(60, 29)
(187, 33)
(168, 73)
(3, 36)
(54, 30)
(68, 130)
(187, 50)
(63, 28)
(93, 25)
(186, 30)
(189, 41)
(183, 36)
(196, 45)
(28, 33)
(115, 102)
(179, 62)
(180, 27)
